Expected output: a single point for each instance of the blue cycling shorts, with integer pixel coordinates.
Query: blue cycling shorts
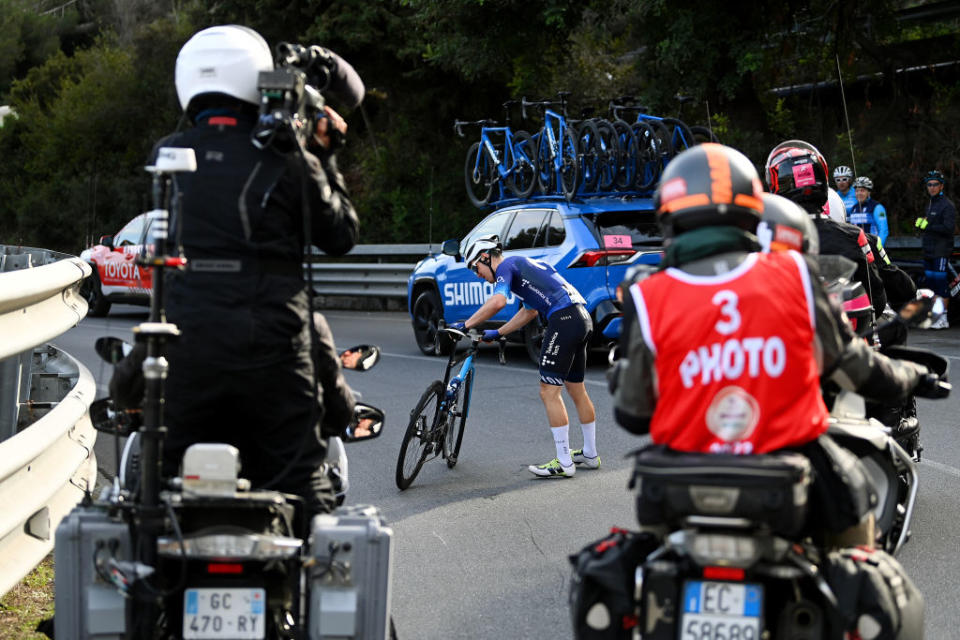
(563, 355)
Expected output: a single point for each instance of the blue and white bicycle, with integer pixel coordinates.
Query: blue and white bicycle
(437, 423)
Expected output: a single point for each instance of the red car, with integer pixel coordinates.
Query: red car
(116, 276)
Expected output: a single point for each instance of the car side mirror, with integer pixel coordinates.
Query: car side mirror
(107, 241)
(360, 358)
(367, 423)
(450, 248)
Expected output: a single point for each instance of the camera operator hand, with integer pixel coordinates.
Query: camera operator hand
(331, 130)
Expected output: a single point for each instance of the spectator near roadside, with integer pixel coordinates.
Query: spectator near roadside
(842, 177)
(937, 226)
(867, 213)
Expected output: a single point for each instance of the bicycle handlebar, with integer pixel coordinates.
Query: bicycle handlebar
(459, 124)
(475, 339)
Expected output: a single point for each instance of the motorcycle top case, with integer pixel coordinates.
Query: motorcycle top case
(87, 606)
(350, 575)
(769, 489)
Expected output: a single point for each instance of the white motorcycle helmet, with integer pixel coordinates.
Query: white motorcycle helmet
(225, 59)
(834, 208)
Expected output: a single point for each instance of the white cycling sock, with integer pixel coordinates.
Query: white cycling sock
(589, 430)
(561, 438)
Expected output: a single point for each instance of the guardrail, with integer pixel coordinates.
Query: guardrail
(46, 439)
(337, 277)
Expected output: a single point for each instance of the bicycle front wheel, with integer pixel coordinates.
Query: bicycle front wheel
(479, 174)
(569, 164)
(457, 414)
(418, 441)
(544, 164)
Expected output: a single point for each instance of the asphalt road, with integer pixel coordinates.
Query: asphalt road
(481, 550)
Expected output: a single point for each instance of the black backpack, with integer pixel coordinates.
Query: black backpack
(602, 604)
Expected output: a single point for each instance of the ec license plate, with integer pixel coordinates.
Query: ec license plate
(721, 611)
(209, 614)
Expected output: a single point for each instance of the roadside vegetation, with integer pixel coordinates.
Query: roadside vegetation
(24, 606)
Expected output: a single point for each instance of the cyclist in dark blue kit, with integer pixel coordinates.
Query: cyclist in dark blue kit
(563, 356)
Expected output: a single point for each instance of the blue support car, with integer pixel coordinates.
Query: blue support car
(591, 242)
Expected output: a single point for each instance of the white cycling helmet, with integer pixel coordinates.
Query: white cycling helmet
(480, 245)
(863, 181)
(842, 171)
(226, 59)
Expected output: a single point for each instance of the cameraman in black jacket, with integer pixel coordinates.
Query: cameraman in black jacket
(243, 372)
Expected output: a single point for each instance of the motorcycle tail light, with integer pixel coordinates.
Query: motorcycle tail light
(225, 568)
(723, 573)
(231, 546)
(602, 257)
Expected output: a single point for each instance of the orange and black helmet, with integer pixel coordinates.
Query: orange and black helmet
(709, 185)
(797, 171)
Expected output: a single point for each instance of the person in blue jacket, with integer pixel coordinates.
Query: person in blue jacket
(842, 177)
(867, 213)
(563, 356)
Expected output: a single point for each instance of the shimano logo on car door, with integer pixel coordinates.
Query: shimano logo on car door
(469, 293)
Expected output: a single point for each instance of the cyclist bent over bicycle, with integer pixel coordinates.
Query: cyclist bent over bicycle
(563, 356)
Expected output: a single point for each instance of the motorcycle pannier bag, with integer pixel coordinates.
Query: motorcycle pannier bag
(602, 603)
(769, 489)
(350, 574)
(875, 597)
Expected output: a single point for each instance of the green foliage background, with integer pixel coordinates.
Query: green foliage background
(92, 84)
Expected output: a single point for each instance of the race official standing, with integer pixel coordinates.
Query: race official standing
(937, 226)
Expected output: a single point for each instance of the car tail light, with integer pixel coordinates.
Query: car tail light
(602, 257)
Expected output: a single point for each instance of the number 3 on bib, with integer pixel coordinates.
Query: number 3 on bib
(727, 301)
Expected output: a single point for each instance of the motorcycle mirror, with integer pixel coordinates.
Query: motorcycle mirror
(916, 311)
(105, 418)
(360, 358)
(112, 350)
(367, 423)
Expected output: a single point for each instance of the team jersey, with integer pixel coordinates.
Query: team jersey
(849, 198)
(871, 217)
(734, 356)
(536, 283)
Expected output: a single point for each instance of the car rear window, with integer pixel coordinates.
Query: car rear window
(614, 229)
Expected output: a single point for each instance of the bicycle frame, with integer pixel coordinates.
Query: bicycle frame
(452, 384)
(550, 119)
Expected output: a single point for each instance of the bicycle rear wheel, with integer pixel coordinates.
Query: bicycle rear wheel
(418, 440)
(458, 409)
(479, 174)
(544, 164)
(524, 177)
(680, 135)
(609, 155)
(703, 134)
(588, 141)
(629, 158)
(569, 164)
(650, 158)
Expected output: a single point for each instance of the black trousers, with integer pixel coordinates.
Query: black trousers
(271, 414)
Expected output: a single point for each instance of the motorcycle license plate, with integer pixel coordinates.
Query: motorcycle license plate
(721, 611)
(209, 614)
